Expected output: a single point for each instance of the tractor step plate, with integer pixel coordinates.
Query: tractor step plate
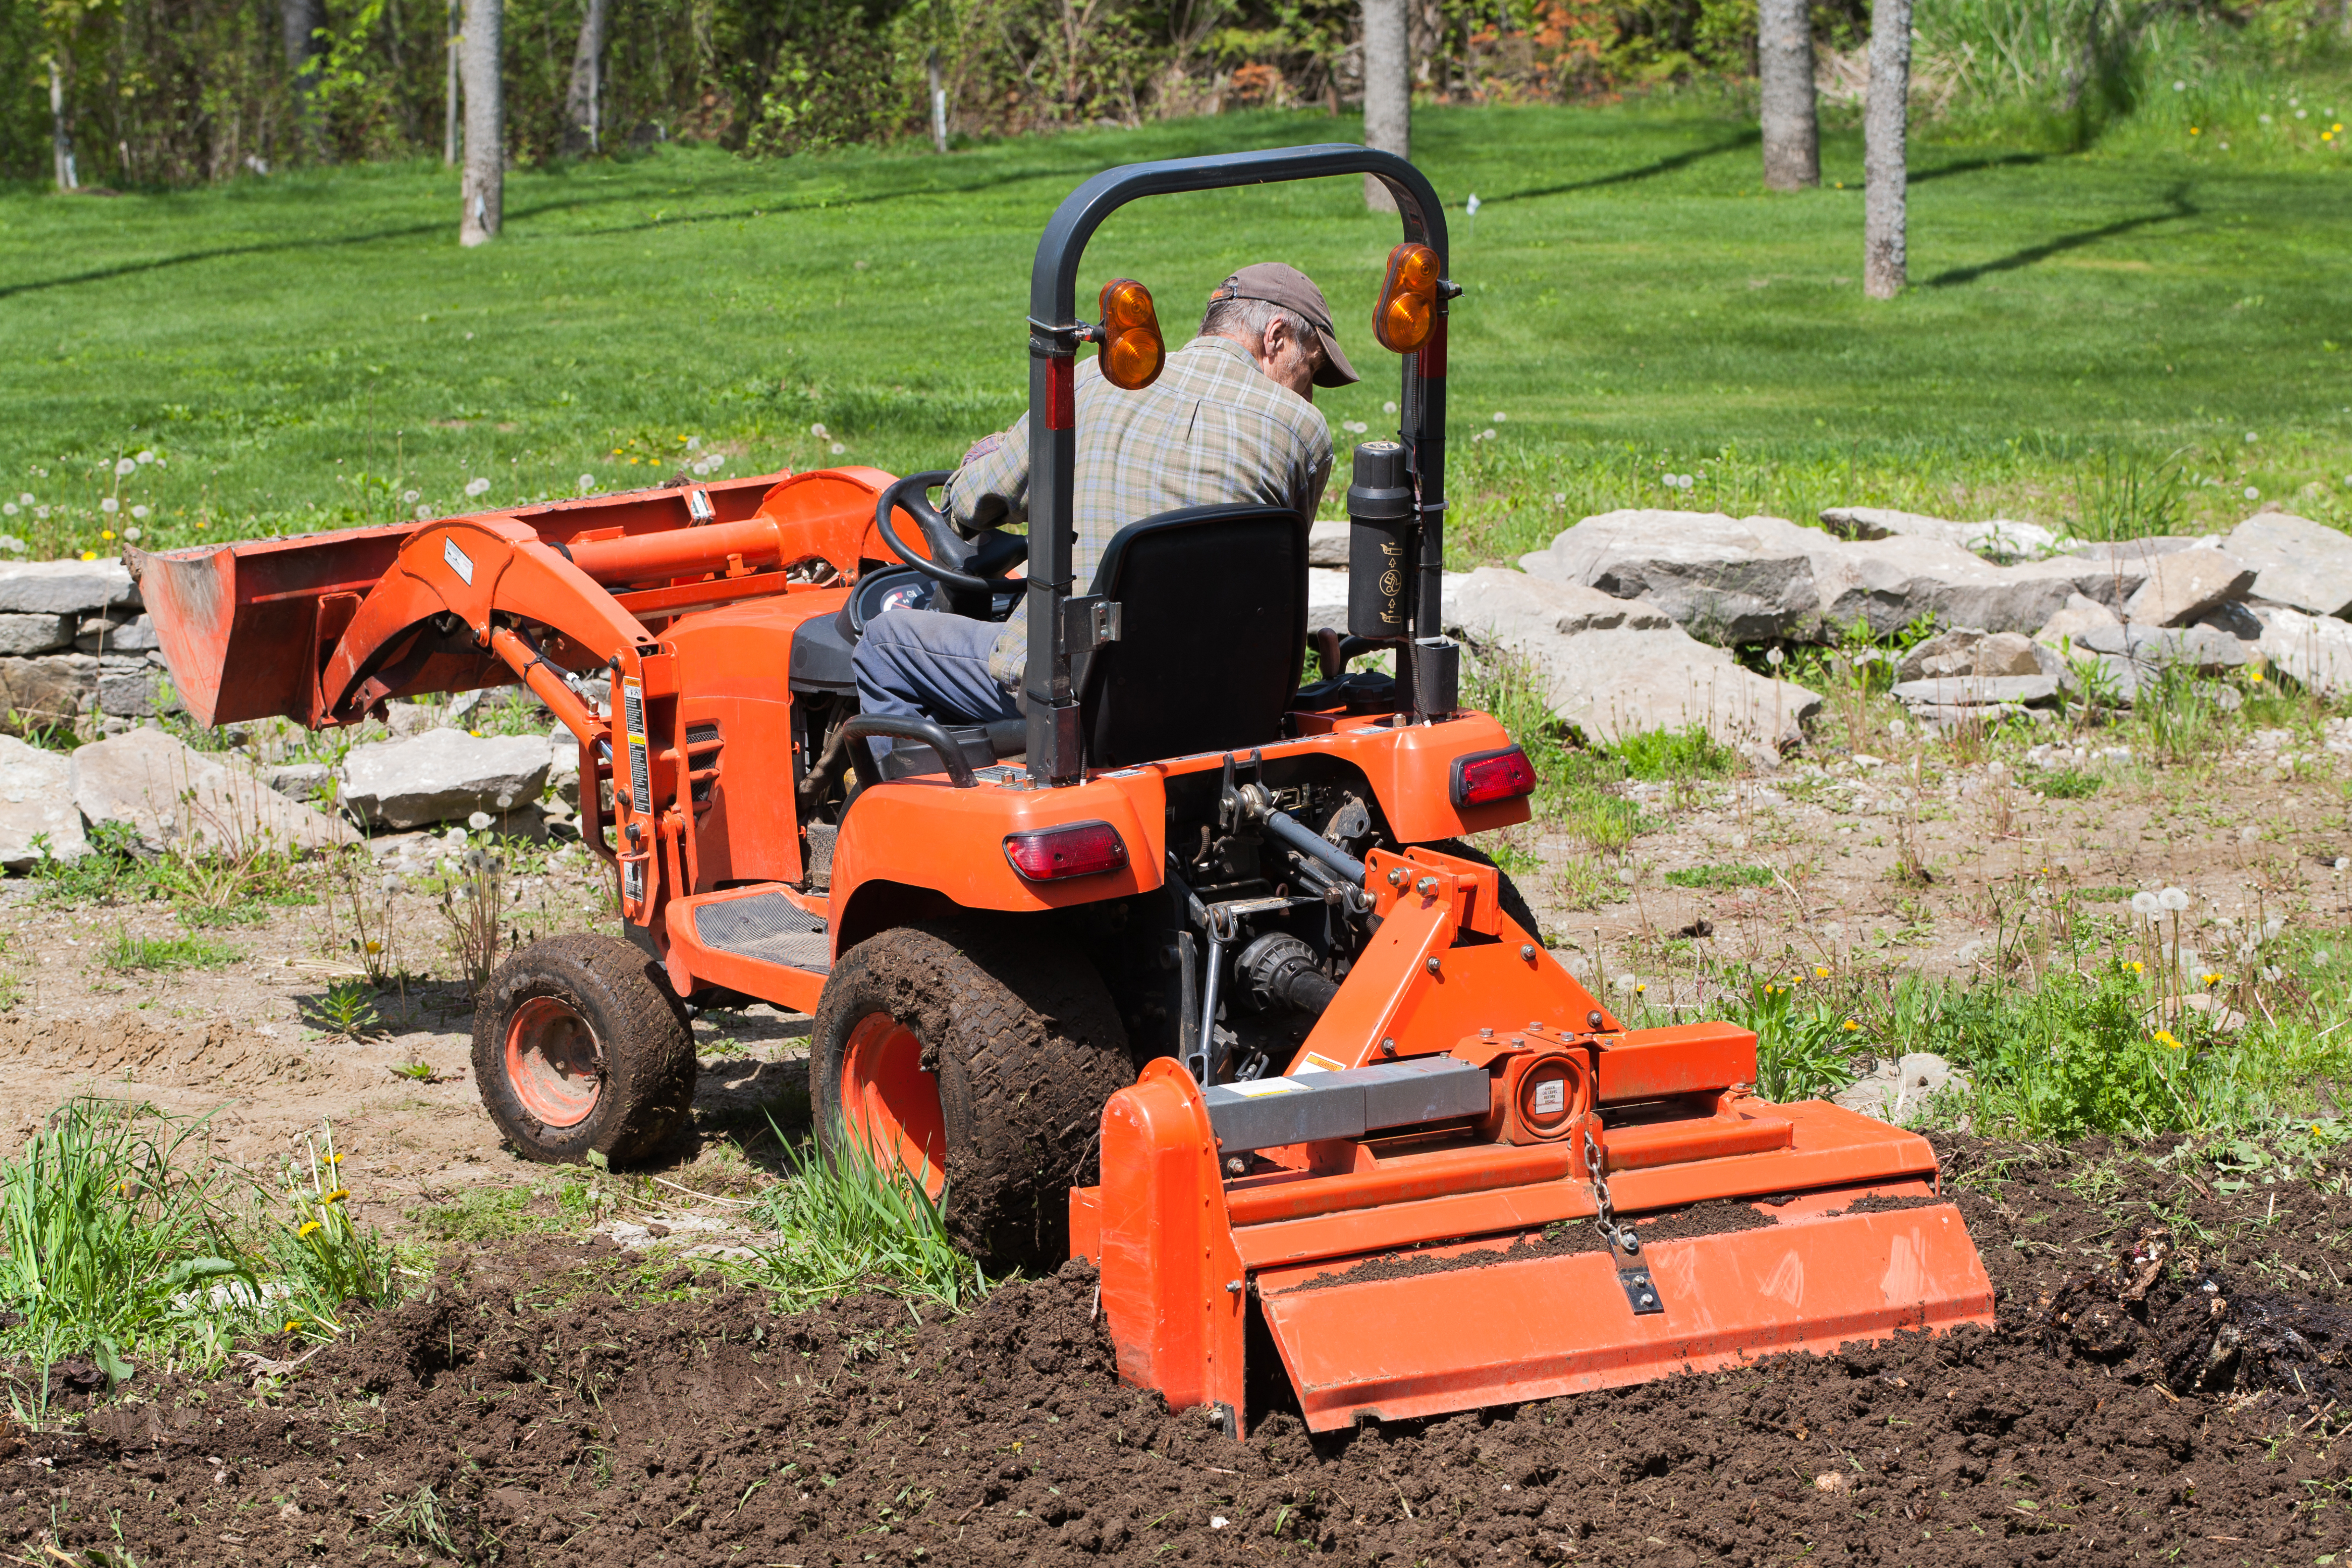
(1424, 1344)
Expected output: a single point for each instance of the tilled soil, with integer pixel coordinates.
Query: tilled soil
(2149, 1395)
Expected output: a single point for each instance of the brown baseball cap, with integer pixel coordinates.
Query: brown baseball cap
(1288, 287)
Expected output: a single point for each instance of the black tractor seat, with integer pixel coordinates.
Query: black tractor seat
(1213, 637)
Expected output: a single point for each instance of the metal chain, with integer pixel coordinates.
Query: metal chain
(1621, 1238)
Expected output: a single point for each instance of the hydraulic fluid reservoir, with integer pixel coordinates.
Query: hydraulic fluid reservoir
(1379, 524)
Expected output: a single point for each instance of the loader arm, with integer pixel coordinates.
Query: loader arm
(475, 568)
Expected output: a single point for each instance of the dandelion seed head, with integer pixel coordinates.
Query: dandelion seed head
(140, 510)
(478, 821)
(2174, 899)
(145, 457)
(110, 505)
(124, 468)
(2144, 903)
(478, 487)
(819, 431)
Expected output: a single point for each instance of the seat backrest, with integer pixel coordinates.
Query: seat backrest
(1213, 610)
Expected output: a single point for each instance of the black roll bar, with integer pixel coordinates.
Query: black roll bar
(1057, 749)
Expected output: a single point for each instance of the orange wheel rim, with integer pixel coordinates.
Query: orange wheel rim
(891, 1104)
(552, 1062)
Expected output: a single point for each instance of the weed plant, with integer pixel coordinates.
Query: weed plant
(125, 1241)
(846, 1224)
(128, 954)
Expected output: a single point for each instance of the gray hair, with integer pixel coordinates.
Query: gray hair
(1248, 320)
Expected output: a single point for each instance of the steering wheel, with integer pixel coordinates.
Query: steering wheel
(950, 552)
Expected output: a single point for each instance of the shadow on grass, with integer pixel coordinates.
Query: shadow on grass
(828, 196)
(2178, 207)
(1975, 165)
(1650, 170)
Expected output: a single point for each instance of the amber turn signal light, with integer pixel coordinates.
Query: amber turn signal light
(1408, 306)
(1132, 351)
(1080, 849)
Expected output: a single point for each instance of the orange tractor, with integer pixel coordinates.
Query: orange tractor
(1189, 973)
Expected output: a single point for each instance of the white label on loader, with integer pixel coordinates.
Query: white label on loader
(459, 561)
(1551, 1097)
(1318, 1062)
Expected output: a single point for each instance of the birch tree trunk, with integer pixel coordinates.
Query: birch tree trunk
(484, 186)
(1387, 91)
(583, 131)
(61, 152)
(1784, 69)
(1885, 169)
(301, 21)
(451, 140)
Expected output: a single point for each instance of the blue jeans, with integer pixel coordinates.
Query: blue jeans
(924, 664)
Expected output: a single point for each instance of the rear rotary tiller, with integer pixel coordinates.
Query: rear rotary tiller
(1371, 1113)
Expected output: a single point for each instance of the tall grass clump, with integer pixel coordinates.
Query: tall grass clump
(109, 1226)
(844, 1224)
(125, 1242)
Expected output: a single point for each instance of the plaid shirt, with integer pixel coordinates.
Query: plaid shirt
(1214, 430)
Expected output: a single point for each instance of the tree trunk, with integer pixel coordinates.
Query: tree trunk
(301, 22)
(583, 109)
(483, 187)
(1387, 91)
(1886, 173)
(60, 138)
(1784, 67)
(938, 101)
(450, 139)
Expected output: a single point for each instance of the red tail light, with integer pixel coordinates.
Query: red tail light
(1078, 850)
(1486, 776)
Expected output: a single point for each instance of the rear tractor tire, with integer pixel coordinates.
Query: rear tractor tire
(1507, 897)
(979, 1062)
(579, 1047)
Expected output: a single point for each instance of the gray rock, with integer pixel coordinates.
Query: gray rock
(2082, 614)
(1327, 544)
(2211, 651)
(1978, 691)
(563, 766)
(1945, 715)
(2008, 653)
(170, 793)
(1899, 1091)
(2185, 585)
(1729, 580)
(1965, 650)
(23, 634)
(2133, 554)
(1999, 537)
(119, 632)
(444, 776)
(2315, 650)
(130, 688)
(37, 799)
(2302, 564)
(1614, 669)
(64, 587)
(1759, 578)
(49, 689)
(413, 718)
(301, 781)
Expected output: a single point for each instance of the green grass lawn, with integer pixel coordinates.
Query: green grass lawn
(2125, 338)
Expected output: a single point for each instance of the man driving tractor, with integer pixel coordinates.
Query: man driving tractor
(1230, 419)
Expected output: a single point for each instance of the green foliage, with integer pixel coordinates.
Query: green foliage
(846, 1224)
(1720, 876)
(323, 1261)
(493, 1214)
(1675, 754)
(1805, 1043)
(347, 1009)
(127, 953)
(2064, 784)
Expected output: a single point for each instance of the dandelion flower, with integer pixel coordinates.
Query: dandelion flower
(477, 487)
(2255, 676)
(308, 1227)
(2174, 899)
(106, 533)
(1850, 1023)
(1820, 971)
(478, 821)
(125, 468)
(89, 555)
(292, 1324)
(373, 945)
(2138, 967)
(334, 1159)
(109, 504)
(338, 1196)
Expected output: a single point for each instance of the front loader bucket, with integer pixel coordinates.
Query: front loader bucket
(248, 628)
(1496, 1330)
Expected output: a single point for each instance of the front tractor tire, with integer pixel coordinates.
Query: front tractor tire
(580, 1048)
(978, 1062)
